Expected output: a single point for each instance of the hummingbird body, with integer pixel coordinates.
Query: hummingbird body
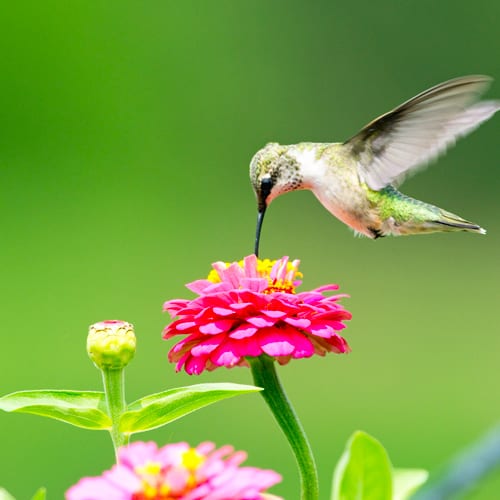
(330, 172)
(356, 180)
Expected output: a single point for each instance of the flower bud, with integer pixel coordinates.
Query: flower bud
(111, 344)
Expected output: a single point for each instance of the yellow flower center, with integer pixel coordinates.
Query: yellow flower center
(280, 286)
(153, 483)
(153, 487)
(191, 459)
(153, 493)
(148, 469)
(264, 268)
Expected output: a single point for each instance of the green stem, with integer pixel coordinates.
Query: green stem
(114, 388)
(264, 375)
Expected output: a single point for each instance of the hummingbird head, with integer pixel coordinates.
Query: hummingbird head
(272, 172)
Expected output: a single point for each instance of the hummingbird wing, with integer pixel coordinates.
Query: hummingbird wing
(406, 138)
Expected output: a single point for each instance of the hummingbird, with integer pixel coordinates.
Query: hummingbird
(357, 180)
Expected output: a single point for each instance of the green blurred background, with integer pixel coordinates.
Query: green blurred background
(126, 133)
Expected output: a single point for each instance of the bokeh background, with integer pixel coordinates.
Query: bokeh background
(126, 133)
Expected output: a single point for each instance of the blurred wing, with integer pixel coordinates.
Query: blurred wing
(397, 143)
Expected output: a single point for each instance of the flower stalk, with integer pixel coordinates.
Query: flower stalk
(265, 375)
(114, 388)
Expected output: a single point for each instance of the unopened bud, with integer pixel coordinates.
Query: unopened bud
(111, 344)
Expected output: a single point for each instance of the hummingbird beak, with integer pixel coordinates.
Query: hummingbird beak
(260, 219)
(266, 186)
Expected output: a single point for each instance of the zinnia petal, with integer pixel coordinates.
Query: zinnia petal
(243, 331)
(298, 322)
(286, 342)
(261, 321)
(214, 327)
(196, 365)
(207, 346)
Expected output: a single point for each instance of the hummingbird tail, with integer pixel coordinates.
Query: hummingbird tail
(452, 222)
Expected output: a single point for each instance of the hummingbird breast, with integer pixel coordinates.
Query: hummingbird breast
(332, 175)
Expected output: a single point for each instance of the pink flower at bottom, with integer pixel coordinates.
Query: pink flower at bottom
(176, 471)
(250, 308)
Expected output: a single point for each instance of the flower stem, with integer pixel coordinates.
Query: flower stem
(264, 375)
(114, 388)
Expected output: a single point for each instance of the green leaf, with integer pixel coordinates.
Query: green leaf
(364, 471)
(40, 494)
(85, 409)
(5, 495)
(159, 409)
(408, 481)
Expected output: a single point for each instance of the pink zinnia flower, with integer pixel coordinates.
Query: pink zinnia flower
(250, 308)
(176, 471)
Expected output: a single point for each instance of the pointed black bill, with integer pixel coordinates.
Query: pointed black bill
(260, 219)
(266, 185)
